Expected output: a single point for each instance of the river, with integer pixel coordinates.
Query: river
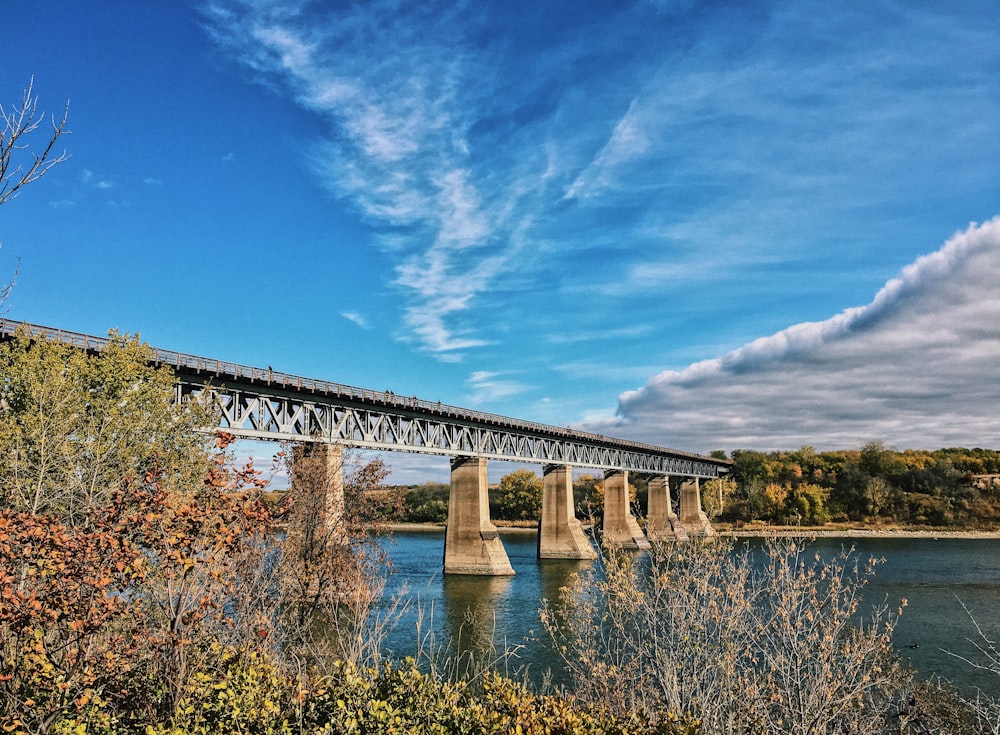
(934, 575)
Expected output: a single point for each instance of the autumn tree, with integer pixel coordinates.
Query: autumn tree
(208, 587)
(68, 638)
(519, 496)
(331, 568)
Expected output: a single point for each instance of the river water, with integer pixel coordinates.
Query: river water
(935, 577)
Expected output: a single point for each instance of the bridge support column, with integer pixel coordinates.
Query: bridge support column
(693, 518)
(318, 478)
(621, 530)
(662, 524)
(471, 543)
(560, 534)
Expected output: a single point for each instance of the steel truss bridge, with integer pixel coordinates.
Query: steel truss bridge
(263, 404)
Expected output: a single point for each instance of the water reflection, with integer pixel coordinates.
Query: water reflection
(469, 605)
(555, 574)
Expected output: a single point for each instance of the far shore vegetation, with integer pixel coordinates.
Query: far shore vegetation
(873, 487)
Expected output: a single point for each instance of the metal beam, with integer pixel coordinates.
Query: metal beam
(259, 403)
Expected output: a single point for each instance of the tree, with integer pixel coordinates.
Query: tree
(877, 492)
(715, 494)
(519, 497)
(330, 564)
(588, 496)
(66, 604)
(73, 427)
(18, 166)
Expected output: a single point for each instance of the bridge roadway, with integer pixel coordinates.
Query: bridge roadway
(264, 404)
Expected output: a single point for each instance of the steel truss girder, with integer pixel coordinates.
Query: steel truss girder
(259, 415)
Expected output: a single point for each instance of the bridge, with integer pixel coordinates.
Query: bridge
(325, 417)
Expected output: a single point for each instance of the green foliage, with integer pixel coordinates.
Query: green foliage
(252, 696)
(427, 503)
(74, 427)
(588, 496)
(519, 497)
(873, 484)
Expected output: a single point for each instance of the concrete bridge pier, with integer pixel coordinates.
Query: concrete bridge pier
(560, 534)
(621, 529)
(317, 476)
(662, 523)
(693, 518)
(471, 543)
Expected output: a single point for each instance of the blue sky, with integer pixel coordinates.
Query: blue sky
(702, 225)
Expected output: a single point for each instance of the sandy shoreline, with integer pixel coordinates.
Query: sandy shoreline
(759, 532)
(432, 527)
(859, 533)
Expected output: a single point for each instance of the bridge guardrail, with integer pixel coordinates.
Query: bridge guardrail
(8, 328)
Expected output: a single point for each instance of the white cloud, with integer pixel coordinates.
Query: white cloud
(353, 316)
(486, 387)
(629, 141)
(397, 146)
(919, 366)
(89, 178)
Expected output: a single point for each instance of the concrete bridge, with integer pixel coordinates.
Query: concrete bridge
(324, 417)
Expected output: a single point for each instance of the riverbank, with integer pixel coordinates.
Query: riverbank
(761, 531)
(440, 527)
(856, 532)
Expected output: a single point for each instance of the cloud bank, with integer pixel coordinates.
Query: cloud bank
(917, 367)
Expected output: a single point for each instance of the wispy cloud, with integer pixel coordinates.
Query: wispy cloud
(398, 145)
(353, 316)
(486, 387)
(89, 178)
(911, 368)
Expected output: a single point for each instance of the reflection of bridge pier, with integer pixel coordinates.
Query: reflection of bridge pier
(470, 606)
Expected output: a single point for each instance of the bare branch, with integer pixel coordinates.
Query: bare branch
(19, 165)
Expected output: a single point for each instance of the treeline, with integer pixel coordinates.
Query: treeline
(954, 487)
(874, 485)
(516, 498)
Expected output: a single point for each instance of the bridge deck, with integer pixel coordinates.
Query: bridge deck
(265, 382)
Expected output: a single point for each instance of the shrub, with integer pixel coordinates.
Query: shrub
(773, 644)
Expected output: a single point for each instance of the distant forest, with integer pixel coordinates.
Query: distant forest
(874, 485)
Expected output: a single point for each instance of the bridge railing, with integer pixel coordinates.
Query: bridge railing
(194, 363)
